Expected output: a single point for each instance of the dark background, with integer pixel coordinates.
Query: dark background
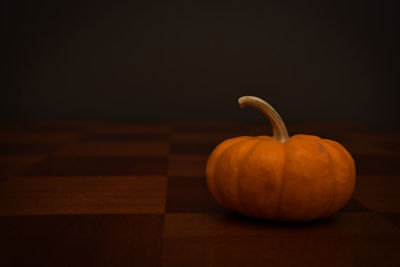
(159, 60)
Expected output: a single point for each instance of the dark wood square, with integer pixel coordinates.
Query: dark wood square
(92, 166)
(354, 206)
(125, 137)
(128, 132)
(205, 126)
(190, 195)
(81, 240)
(12, 165)
(192, 148)
(22, 135)
(23, 149)
(187, 165)
(380, 193)
(393, 217)
(129, 128)
(115, 148)
(372, 164)
(212, 137)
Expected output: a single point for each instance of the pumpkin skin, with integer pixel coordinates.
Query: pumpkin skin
(301, 179)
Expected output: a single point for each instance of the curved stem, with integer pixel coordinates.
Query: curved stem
(278, 126)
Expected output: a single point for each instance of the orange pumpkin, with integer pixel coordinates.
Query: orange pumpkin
(300, 178)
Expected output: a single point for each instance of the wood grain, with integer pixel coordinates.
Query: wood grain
(93, 193)
(82, 195)
(115, 148)
(81, 240)
(232, 240)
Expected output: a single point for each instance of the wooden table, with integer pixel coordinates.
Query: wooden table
(134, 194)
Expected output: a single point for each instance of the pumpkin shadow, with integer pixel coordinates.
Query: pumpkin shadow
(238, 218)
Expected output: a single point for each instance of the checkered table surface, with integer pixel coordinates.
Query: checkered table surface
(83, 193)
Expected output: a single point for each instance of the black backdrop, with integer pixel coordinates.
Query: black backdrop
(162, 60)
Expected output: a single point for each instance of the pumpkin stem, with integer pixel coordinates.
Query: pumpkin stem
(278, 126)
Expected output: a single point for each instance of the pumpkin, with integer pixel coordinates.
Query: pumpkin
(300, 178)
